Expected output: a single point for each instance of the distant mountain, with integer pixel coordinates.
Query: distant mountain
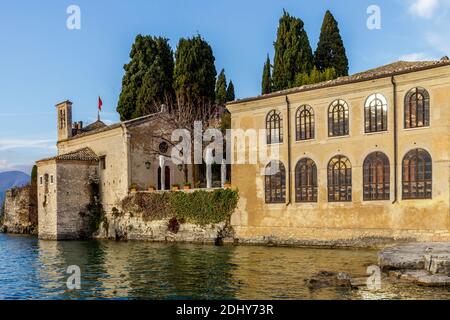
(12, 179)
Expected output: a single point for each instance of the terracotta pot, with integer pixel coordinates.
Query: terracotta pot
(186, 187)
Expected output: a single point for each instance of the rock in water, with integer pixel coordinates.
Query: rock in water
(325, 279)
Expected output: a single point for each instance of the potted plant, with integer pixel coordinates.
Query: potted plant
(133, 187)
(175, 187)
(151, 188)
(227, 184)
(187, 186)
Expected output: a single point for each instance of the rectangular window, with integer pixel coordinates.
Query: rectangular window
(103, 162)
(51, 179)
(40, 180)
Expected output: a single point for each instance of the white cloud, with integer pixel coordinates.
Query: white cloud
(424, 8)
(417, 56)
(10, 144)
(3, 165)
(439, 43)
(7, 166)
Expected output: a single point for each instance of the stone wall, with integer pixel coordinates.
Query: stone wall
(147, 216)
(20, 213)
(65, 205)
(129, 227)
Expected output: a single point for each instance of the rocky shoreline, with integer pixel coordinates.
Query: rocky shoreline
(19, 214)
(426, 264)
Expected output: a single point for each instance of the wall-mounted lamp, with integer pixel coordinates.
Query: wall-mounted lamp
(180, 167)
(148, 165)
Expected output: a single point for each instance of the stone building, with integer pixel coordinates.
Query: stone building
(99, 163)
(361, 157)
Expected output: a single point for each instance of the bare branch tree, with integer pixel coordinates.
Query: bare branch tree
(175, 115)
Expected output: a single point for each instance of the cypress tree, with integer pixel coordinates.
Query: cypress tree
(330, 51)
(194, 73)
(148, 77)
(293, 53)
(34, 176)
(157, 83)
(266, 77)
(329, 74)
(302, 79)
(221, 88)
(315, 76)
(230, 92)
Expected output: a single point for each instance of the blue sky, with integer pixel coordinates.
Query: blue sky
(42, 62)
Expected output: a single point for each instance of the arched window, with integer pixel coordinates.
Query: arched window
(376, 175)
(417, 175)
(304, 123)
(375, 113)
(338, 122)
(417, 108)
(275, 182)
(339, 179)
(306, 181)
(274, 127)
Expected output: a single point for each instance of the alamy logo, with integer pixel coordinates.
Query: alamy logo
(74, 20)
(74, 280)
(374, 280)
(374, 20)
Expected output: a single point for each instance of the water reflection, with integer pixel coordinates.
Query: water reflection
(32, 269)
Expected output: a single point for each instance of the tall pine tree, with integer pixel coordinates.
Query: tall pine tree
(230, 92)
(148, 77)
(266, 85)
(293, 53)
(221, 88)
(195, 73)
(330, 51)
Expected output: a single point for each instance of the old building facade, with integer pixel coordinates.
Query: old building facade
(108, 158)
(361, 157)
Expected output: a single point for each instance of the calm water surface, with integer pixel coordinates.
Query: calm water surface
(33, 269)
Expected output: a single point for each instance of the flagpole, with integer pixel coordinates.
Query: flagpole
(98, 109)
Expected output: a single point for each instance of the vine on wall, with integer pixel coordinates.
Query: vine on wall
(198, 207)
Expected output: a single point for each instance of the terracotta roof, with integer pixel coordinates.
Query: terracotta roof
(94, 126)
(396, 68)
(85, 154)
(99, 128)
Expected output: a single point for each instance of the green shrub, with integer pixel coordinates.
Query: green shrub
(199, 207)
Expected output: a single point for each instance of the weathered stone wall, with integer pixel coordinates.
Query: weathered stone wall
(129, 227)
(346, 222)
(75, 199)
(47, 200)
(64, 204)
(20, 212)
(139, 219)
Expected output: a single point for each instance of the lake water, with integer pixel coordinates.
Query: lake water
(33, 269)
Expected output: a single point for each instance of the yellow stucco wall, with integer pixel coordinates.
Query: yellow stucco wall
(323, 221)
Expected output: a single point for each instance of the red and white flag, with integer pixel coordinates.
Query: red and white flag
(100, 103)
